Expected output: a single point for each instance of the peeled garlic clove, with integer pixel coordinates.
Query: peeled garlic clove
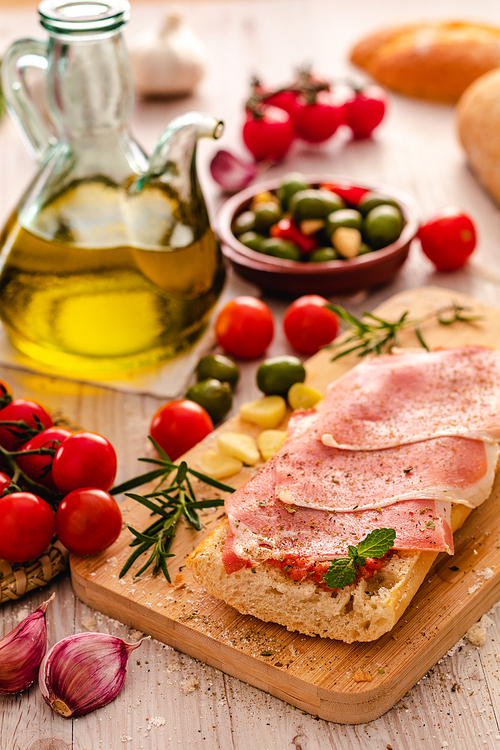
(231, 173)
(84, 672)
(22, 650)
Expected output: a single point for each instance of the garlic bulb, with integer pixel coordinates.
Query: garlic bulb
(22, 650)
(84, 672)
(166, 61)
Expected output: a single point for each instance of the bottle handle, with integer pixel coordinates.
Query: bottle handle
(23, 54)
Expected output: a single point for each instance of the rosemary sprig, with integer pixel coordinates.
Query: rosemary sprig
(372, 334)
(173, 498)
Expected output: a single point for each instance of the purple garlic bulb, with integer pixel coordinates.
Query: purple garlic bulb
(22, 650)
(84, 672)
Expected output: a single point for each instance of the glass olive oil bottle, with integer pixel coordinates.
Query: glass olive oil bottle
(109, 264)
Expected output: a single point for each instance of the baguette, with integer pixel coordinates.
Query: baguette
(361, 612)
(434, 60)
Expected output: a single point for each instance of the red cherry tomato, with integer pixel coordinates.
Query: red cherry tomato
(283, 100)
(84, 459)
(351, 194)
(309, 325)
(448, 238)
(5, 394)
(26, 528)
(39, 468)
(365, 110)
(88, 520)
(5, 480)
(245, 327)
(21, 409)
(178, 425)
(270, 135)
(318, 121)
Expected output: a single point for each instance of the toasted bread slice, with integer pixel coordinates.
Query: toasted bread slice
(361, 612)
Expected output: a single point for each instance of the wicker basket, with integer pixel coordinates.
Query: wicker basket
(16, 579)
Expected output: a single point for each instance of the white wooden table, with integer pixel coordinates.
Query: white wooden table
(457, 705)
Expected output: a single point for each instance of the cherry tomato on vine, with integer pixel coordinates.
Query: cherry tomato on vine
(448, 238)
(317, 121)
(309, 325)
(365, 110)
(88, 520)
(178, 425)
(268, 134)
(283, 100)
(84, 459)
(245, 327)
(39, 468)
(26, 528)
(5, 394)
(21, 409)
(5, 480)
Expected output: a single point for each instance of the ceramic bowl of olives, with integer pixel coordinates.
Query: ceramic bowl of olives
(326, 235)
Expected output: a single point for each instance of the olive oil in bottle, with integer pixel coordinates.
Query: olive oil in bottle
(77, 296)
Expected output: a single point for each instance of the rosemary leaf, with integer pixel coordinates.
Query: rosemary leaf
(131, 484)
(419, 336)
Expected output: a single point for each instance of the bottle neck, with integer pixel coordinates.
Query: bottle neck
(90, 89)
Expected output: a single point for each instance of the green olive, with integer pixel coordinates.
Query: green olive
(314, 204)
(382, 225)
(252, 240)
(292, 183)
(215, 397)
(322, 254)
(346, 217)
(280, 248)
(276, 375)
(372, 200)
(266, 214)
(244, 222)
(219, 367)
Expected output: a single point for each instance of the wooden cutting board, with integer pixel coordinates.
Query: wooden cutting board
(317, 675)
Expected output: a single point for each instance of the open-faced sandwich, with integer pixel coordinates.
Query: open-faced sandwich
(335, 534)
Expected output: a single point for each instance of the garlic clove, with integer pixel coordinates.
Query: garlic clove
(22, 650)
(83, 672)
(231, 173)
(167, 60)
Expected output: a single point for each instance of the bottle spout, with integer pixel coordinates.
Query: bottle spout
(173, 160)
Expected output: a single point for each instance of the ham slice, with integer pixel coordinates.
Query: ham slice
(262, 527)
(312, 475)
(412, 396)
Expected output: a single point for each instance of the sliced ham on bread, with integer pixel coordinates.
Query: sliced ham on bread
(313, 503)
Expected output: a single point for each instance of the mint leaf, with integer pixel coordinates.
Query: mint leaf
(342, 572)
(377, 543)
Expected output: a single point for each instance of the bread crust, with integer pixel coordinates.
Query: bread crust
(478, 126)
(361, 612)
(430, 60)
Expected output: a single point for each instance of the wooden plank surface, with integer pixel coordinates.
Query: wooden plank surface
(312, 673)
(457, 704)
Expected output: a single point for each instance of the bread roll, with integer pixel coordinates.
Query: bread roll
(434, 60)
(478, 125)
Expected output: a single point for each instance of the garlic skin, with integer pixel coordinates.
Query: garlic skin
(84, 672)
(166, 61)
(22, 650)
